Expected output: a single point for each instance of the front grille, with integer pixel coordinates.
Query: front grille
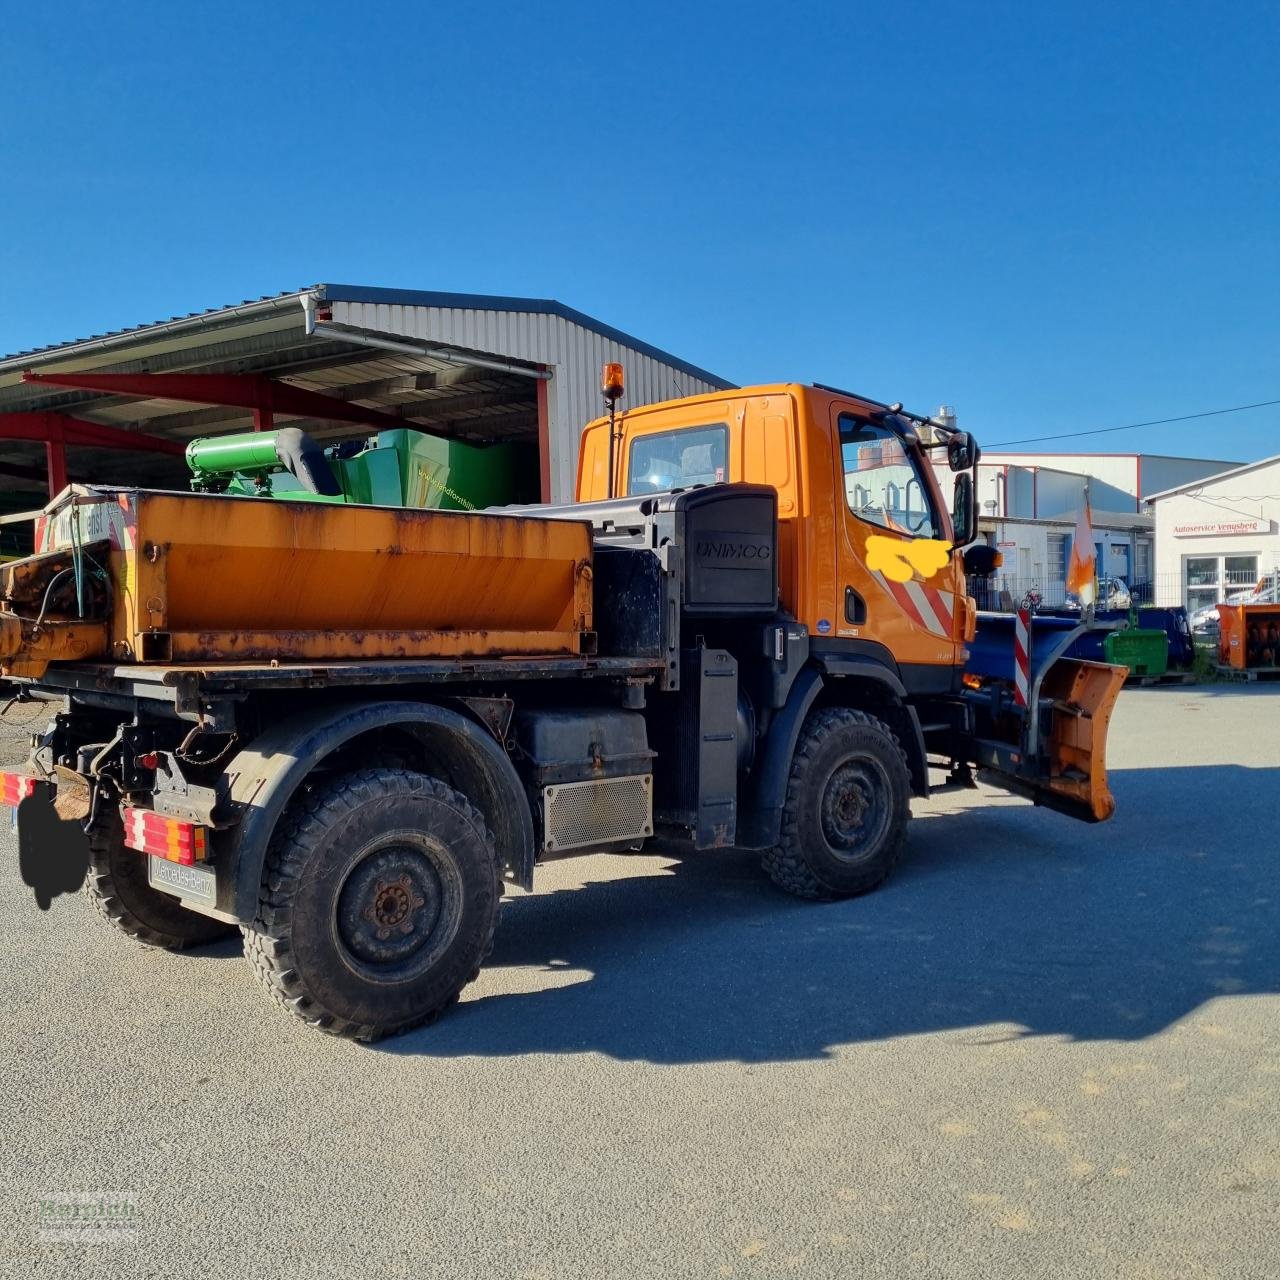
(600, 811)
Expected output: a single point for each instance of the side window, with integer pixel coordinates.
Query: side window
(677, 459)
(881, 482)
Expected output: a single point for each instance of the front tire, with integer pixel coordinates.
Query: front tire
(379, 902)
(847, 806)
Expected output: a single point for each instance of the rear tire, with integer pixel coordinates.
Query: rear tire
(847, 806)
(378, 905)
(117, 886)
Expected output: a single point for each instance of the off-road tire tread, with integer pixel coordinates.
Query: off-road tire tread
(267, 944)
(101, 890)
(783, 863)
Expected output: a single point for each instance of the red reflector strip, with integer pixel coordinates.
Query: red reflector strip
(162, 837)
(15, 788)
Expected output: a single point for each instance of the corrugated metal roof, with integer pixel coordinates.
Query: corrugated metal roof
(393, 297)
(531, 306)
(230, 311)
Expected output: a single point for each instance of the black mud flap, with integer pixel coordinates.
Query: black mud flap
(53, 852)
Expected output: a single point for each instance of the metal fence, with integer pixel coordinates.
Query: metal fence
(1003, 593)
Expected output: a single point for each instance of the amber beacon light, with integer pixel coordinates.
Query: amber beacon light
(612, 382)
(612, 385)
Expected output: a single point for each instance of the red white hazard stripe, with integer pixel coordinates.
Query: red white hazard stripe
(1022, 657)
(15, 788)
(925, 605)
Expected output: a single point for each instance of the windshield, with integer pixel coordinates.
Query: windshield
(881, 481)
(677, 459)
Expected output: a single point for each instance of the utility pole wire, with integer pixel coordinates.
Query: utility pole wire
(1130, 426)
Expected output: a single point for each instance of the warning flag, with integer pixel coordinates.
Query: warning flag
(1082, 568)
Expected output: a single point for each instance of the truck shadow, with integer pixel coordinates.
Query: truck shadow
(1001, 922)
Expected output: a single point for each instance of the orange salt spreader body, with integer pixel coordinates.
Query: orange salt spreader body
(174, 578)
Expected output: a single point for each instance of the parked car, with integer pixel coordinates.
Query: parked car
(1112, 594)
(1204, 622)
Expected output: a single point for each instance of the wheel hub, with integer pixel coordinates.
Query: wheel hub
(392, 905)
(854, 808)
(389, 906)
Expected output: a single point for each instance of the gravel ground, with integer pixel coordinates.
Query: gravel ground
(1044, 1049)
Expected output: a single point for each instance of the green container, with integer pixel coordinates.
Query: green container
(1145, 653)
(397, 468)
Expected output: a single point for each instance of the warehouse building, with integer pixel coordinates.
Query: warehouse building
(1218, 535)
(338, 361)
(1028, 512)
(1028, 504)
(1035, 553)
(1050, 484)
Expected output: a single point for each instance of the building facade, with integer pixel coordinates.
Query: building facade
(1028, 510)
(1047, 484)
(569, 345)
(1217, 535)
(1035, 553)
(1028, 504)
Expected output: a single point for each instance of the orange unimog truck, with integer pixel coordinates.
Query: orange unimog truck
(340, 729)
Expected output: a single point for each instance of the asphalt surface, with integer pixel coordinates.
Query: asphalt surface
(1044, 1049)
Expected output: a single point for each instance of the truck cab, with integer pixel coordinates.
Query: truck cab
(872, 566)
(846, 469)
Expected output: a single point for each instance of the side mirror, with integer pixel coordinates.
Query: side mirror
(962, 452)
(981, 561)
(964, 511)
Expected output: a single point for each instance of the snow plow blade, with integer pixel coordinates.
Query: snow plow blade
(1054, 752)
(1083, 696)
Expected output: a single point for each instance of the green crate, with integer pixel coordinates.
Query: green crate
(1145, 653)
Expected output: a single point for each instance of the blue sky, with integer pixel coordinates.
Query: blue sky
(1054, 217)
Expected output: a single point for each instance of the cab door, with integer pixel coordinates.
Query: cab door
(900, 585)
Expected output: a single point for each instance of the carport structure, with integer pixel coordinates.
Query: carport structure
(336, 360)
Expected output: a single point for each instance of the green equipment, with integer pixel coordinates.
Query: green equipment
(396, 468)
(1144, 652)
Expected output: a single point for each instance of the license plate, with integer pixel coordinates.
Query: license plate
(195, 884)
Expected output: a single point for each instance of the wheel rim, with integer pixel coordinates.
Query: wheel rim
(855, 811)
(398, 908)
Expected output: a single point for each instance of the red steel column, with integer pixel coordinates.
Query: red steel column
(55, 453)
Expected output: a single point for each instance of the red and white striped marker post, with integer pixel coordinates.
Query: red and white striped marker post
(1022, 655)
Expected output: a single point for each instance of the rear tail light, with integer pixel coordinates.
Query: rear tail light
(162, 837)
(15, 788)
